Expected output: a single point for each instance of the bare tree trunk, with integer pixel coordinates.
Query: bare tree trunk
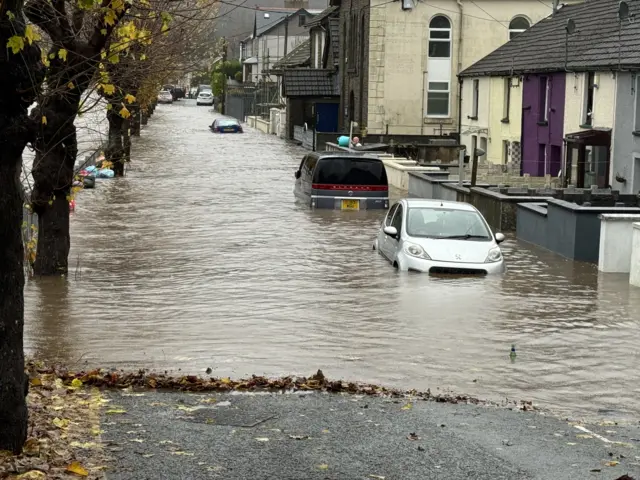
(20, 78)
(56, 150)
(126, 135)
(115, 149)
(134, 121)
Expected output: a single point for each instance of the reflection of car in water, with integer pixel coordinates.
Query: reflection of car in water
(226, 125)
(343, 181)
(439, 237)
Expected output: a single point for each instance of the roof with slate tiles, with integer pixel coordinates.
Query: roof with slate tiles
(300, 56)
(598, 43)
(309, 82)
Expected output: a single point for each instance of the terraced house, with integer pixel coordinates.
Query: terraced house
(400, 59)
(563, 98)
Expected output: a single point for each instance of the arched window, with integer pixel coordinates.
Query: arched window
(440, 37)
(518, 25)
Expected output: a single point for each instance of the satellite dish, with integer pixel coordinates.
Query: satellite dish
(623, 10)
(571, 27)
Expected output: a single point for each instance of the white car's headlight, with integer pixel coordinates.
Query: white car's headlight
(495, 255)
(415, 251)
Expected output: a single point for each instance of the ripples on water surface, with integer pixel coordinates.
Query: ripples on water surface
(201, 258)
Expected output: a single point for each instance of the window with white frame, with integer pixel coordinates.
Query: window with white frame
(517, 26)
(440, 37)
(439, 51)
(438, 99)
(476, 99)
(636, 122)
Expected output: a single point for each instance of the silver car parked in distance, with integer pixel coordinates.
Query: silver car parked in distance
(439, 237)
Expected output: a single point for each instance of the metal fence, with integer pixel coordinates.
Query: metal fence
(256, 99)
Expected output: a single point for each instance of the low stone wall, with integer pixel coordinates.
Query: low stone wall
(498, 207)
(259, 124)
(616, 231)
(565, 228)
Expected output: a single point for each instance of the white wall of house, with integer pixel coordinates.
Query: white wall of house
(412, 67)
(476, 112)
(581, 113)
(625, 158)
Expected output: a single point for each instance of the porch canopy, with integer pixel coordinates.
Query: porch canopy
(587, 158)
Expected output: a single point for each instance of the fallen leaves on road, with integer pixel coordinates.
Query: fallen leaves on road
(63, 416)
(413, 436)
(145, 379)
(612, 463)
(324, 466)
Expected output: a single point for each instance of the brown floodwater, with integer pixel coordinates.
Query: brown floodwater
(200, 257)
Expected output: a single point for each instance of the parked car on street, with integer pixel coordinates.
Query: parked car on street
(165, 97)
(204, 98)
(435, 236)
(343, 181)
(226, 125)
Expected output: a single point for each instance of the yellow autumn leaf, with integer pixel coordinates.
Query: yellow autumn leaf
(226, 380)
(31, 35)
(32, 475)
(78, 469)
(115, 411)
(408, 406)
(71, 85)
(60, 423)
(124, 113)
(84, 445)
(44, 120)
(324, 466)
(15, 43)
(11, 16)
(76, 383)
(612, 463)
(36, 382)
(108, 89)
(62, 54)
(109, 106)
(129, 98)
(143, 56)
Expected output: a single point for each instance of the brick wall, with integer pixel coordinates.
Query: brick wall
(354, 75)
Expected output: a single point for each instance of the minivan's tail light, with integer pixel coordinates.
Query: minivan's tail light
(355, 188)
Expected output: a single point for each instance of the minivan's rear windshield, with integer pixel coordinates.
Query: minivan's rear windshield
(350, 171)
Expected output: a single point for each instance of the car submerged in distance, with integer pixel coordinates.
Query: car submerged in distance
(165, 97)
(343, 181)
(226, 125)
(205, 97)
(439, 237)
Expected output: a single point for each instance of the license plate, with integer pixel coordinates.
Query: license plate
(350, 204)
(228, 129)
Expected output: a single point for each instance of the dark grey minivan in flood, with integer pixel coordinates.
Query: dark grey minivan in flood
(343, 181)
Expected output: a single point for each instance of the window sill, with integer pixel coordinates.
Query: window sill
(543, 124)
(472, 117)
(505, 120)
(588, 126)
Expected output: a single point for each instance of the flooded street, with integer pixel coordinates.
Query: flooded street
(200, 257)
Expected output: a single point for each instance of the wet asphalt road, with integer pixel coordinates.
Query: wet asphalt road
(325, 436)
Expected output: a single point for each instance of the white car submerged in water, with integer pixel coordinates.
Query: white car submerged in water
(434, 236)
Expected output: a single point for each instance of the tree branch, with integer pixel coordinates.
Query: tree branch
(102, 31)
(63, 20)
(42, 14)
(77, 19)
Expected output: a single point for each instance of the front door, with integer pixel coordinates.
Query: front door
(327, 117)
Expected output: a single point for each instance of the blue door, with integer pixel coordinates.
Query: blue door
(327, 117)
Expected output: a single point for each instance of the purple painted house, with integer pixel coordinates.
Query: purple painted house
(542, 123)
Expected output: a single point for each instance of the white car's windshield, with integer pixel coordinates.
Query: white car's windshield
(446, 223)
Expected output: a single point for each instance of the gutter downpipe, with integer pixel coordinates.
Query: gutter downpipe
(461, 8)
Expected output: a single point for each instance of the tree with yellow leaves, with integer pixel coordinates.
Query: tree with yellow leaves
(21, 75)
(79, 32)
